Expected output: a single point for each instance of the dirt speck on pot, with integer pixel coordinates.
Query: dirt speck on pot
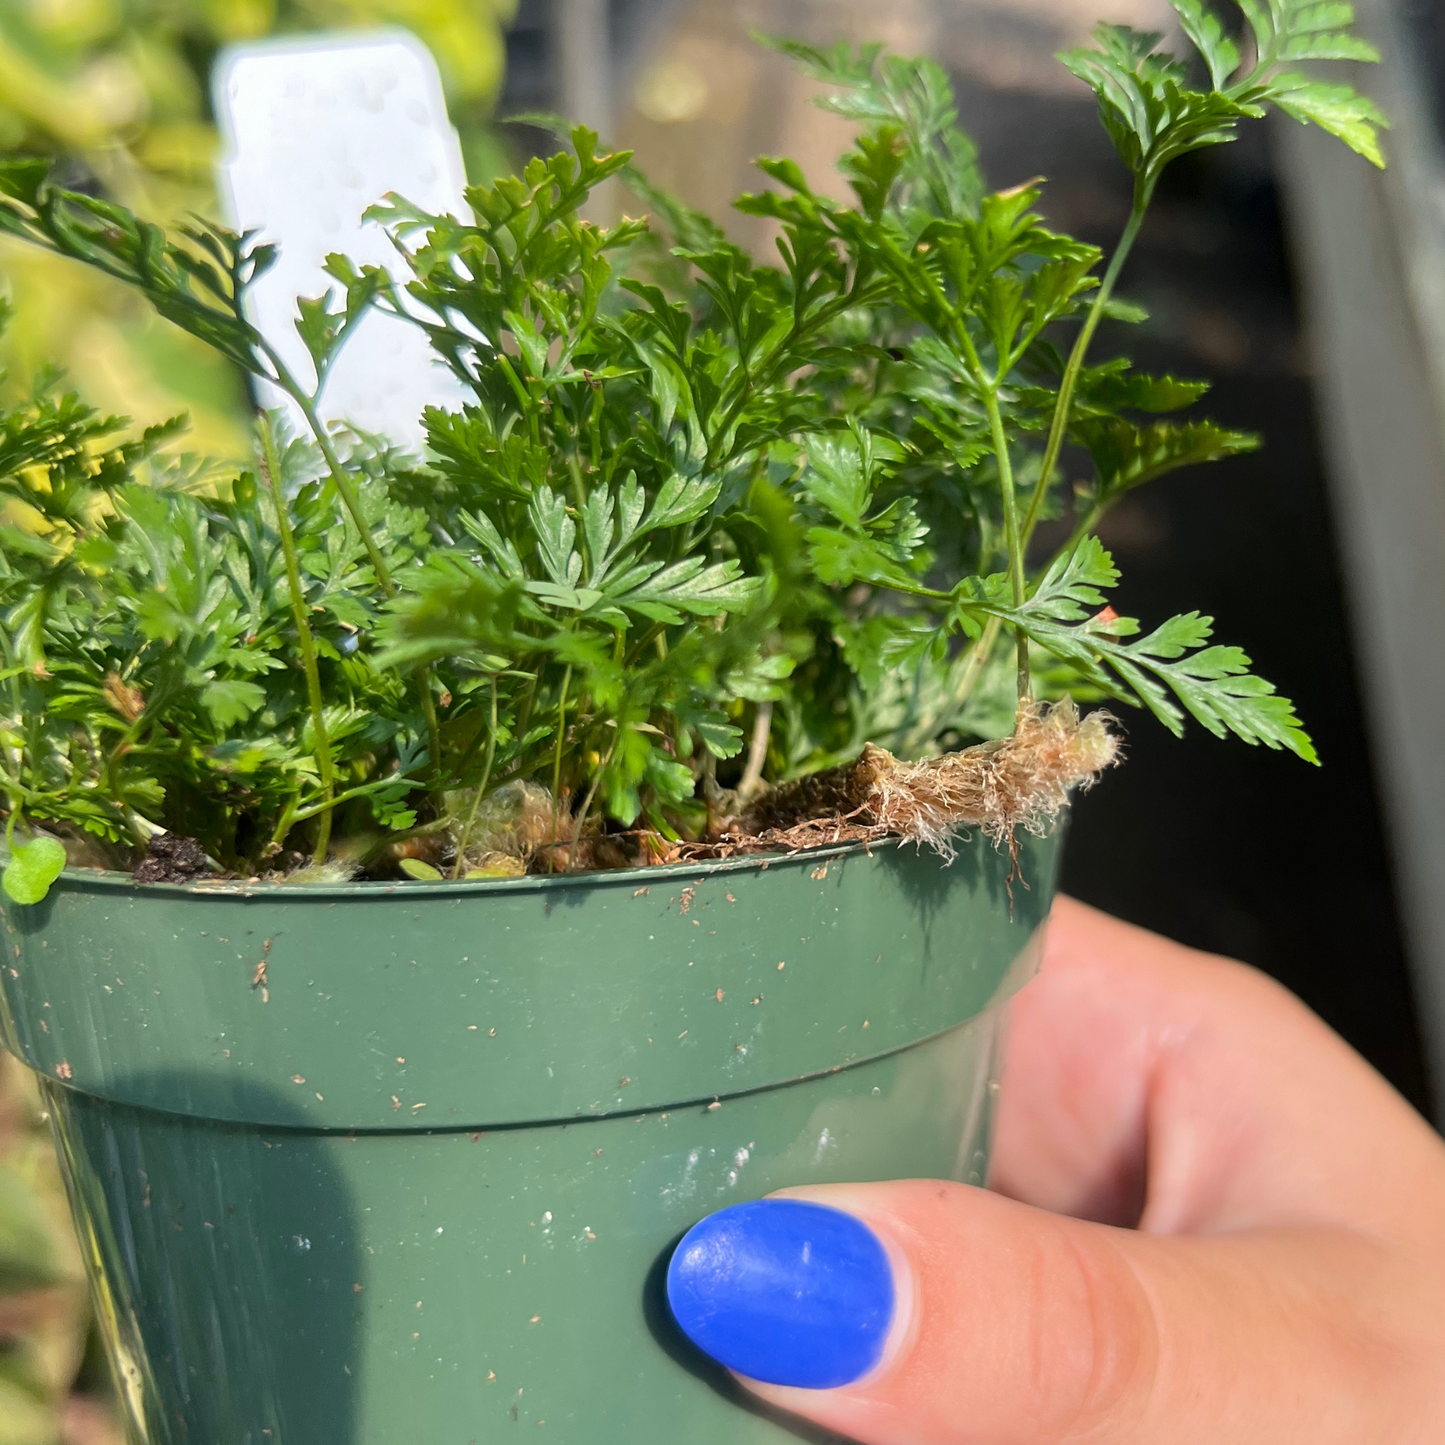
(259, 978)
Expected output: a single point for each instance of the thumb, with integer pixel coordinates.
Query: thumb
(924, 1313)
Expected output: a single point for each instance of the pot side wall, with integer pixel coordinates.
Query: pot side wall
(262, 1279)
(315, 1289)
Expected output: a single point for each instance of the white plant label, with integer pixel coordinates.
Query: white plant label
(314, 132)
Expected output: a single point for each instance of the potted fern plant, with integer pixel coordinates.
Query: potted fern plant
(436, 882)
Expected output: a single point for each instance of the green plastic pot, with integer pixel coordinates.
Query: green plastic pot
(382, 1164)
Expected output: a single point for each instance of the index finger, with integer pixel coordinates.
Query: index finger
(1148, 1083)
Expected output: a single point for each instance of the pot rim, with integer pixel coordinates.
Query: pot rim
(581, 980)
(104, 880)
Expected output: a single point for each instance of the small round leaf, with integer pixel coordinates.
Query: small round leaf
(32, 868)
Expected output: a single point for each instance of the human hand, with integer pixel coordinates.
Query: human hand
(1213, 1224)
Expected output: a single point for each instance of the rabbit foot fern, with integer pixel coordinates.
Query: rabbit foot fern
(692, 500)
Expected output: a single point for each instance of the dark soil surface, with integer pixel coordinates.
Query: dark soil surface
(170, 859)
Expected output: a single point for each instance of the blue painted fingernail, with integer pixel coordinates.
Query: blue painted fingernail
(785, 1292)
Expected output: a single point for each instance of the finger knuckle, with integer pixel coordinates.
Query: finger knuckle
(1095, 1345)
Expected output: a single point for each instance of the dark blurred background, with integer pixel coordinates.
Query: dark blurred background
(1426, 22)
(1228, 848)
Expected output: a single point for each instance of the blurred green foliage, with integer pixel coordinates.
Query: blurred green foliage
(43, 1311)
(120, 90)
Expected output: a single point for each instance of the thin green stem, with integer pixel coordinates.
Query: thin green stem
(983, 648)
(464, 761)
(1063, 406)
(1011, 533)
(344, 484)
(978, 656)
(579, 497)
(17, 702)
(525, 400)
(429, 712)
(125, 745)
(599, 400)
(271, 471)
(284, 824)
(981, 378)
(529, 701)
(587, 803)
(909, 590)
(352, 500)
(557, 752)
(466, 835)
(634, 653)
(364, 790)
(752, 779)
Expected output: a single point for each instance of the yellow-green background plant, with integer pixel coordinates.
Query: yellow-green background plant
(120, 90)
(43, 1310)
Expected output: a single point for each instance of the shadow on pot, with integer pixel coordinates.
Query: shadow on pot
(265, 1353)
(1019, 894)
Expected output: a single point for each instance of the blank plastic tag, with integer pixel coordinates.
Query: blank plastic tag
(314, 133)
